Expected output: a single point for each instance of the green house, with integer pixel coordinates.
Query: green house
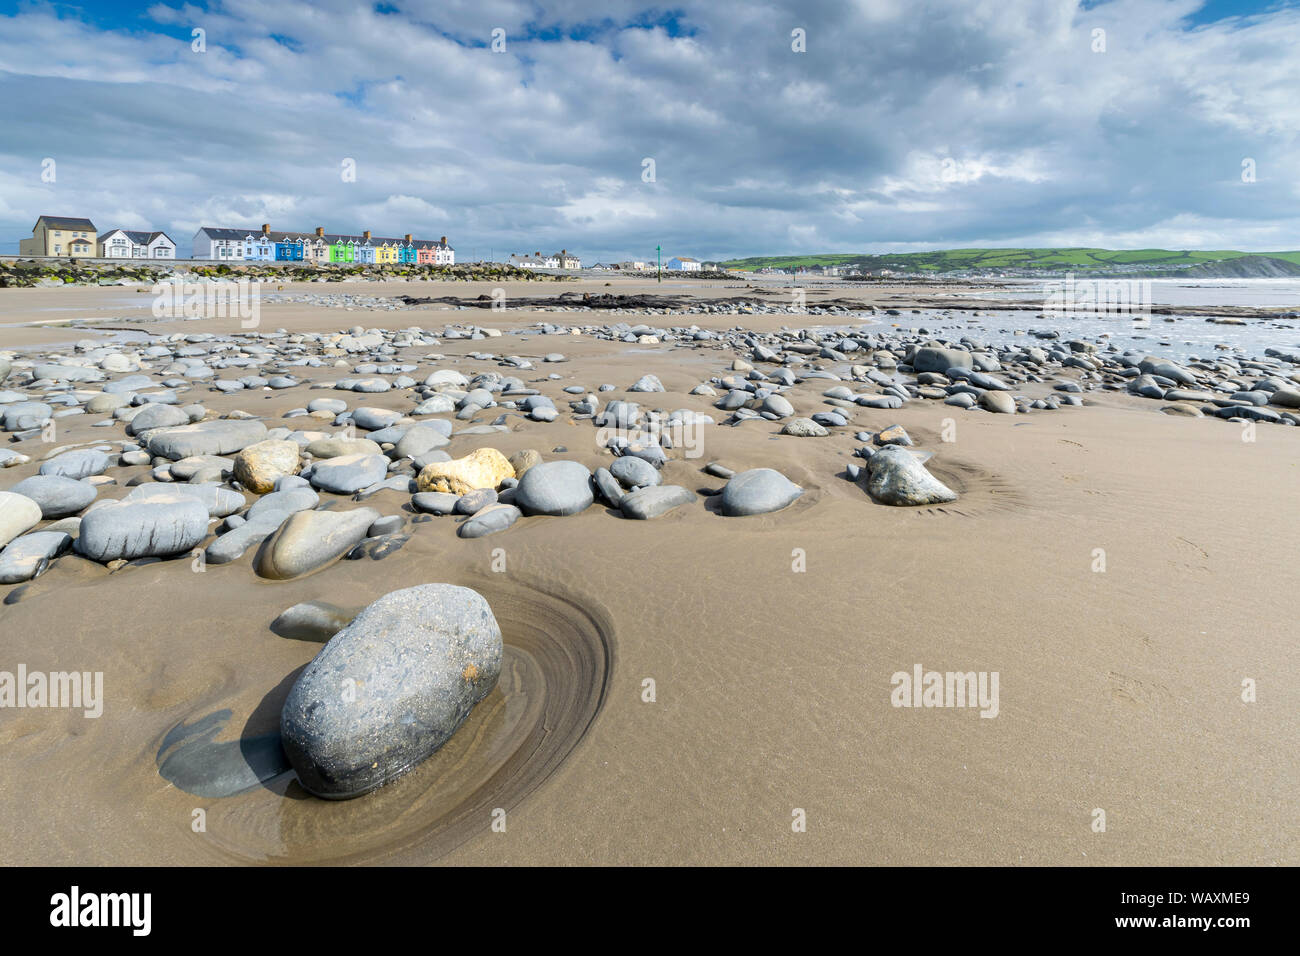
(343, 250)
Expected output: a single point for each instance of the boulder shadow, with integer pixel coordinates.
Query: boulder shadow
(191, 759)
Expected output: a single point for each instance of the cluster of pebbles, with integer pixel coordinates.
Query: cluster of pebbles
(276, 490)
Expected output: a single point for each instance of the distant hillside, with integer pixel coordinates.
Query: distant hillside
(1245, 267)
(1155, 262)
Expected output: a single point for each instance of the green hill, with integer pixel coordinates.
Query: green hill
(1080, 260)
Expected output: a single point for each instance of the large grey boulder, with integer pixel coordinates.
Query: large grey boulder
(931, 359)
(651, 502)
(57, 496)
(647, 383)
(435, 502)
(998, 402)
(79, 463)
(489, 520)
(757, 492)
(1286, 397)
(373, 419)
(804, 428)
(288, 501)
(155, 527)
(339, 445)
(1166, 369)
(22, 415)
(897, 477)
(554, 488)
(309, 540)
(777, 405)
(390, 689)
(635, 472)
(18, 514)
(348, 474)
(218, 437)
(419, 439)
(435, 405)
(68, 373)
(156, 415)
(30, 555)
(235, 543)
(218, 501)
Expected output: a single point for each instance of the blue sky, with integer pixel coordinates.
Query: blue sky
(904, 124)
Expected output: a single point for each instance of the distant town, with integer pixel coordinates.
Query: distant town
(77, 237)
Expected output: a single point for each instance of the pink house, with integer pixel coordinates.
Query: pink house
(434, 253)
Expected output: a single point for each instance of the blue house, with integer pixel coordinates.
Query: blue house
(288, 250)
(259, 248)
(407, 252)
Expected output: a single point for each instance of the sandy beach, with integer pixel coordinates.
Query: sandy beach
(770, 640)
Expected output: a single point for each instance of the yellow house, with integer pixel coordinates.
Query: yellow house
(60, 236)
(386, 251)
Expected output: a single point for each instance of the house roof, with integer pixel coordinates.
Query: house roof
(330, 238)
(139, 237)
(685, 259)
(220, 233)
(65, 222)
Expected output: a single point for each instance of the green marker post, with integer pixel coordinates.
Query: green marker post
(659, 264)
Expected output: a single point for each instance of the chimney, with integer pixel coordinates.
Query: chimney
(408, 237)
(564, 253)
(320, 230)
(266, 227)
(367, 235)
(444, 240)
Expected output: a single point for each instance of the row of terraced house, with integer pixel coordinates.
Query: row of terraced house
(265, 245)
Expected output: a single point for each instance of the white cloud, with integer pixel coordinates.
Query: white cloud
(940, 122)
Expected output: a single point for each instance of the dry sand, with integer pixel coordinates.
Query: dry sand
(1118, 690)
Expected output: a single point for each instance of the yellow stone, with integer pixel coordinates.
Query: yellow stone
(482, 468)
(521, 461)
(258, 466)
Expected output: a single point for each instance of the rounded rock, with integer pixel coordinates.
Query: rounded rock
(421, 657)
(758, 491)
(555, 488)
(259, 466)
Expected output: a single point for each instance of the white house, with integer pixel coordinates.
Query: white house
(130, 244)
(565, 261)
(535, 261)
(684, 264)
(443, 254)
(211, 243)
(633, 265)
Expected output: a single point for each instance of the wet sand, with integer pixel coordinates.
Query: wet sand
(1119, 690)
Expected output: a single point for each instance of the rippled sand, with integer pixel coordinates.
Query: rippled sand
(1119, 690)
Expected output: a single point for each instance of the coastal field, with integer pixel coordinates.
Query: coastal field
(1193, 263)
(689, 688)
